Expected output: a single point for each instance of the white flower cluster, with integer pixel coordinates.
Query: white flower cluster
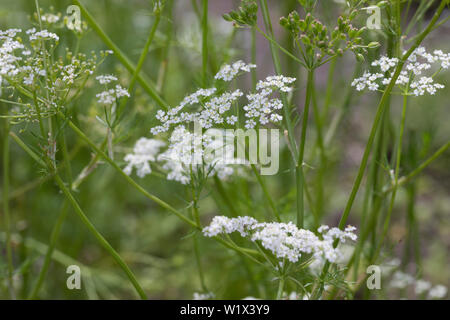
(212, 112)
(8, 61)
(106, 78)
(410, 78)
(186, 151)
(110, 96)
(214, 109)
(284, 240)
(50, 18)
(22, 66)
(41, 35)
(262, 108)
(401, 280)
(189, 151)
(229, 72)
(144, 151)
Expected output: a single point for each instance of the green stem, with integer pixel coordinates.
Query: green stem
(103, 242)
(141, 60)
(6, 211)
(397, 172)
(420, 168)
(205, 42)
(49, 253)
(224, 196)
(266, 193)
(277, 65)
(300, 178)
(199, 264)
(280, 288)
(57, 227)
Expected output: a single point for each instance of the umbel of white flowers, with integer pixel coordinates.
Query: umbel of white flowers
(206, 107)
(284, 240)
(185, 151)
(410, 81)
(215, 109)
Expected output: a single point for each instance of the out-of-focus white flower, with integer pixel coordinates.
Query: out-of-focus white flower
(50, 18)
(421, 287)
(438, 292)
(106, 78)
(401, 280)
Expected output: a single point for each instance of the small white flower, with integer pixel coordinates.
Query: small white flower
(228, 72)
(105, 79)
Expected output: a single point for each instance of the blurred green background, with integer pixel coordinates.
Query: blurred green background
(157, 246)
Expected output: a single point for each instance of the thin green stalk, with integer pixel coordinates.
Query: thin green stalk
(277, 65)
(162, 74)
(320, 201)
(267, 195)
(280, 288)
(224, 195)
(147, 85)
(199, 264)
(253, 57)
(329, 90)
(397, 172)
(48, 255)
(141, 60)
(57, 226)
(420, 168)
(6, 211)
(300, 179)
(370, 189)
(205, 42)
(27, 149)
(103, 242)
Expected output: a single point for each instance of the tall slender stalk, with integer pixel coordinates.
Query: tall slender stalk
(277, 66)
(300, 177)
(6, 211)
(204, 41)
(49, 253)
(396, 177)
(103, 242)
